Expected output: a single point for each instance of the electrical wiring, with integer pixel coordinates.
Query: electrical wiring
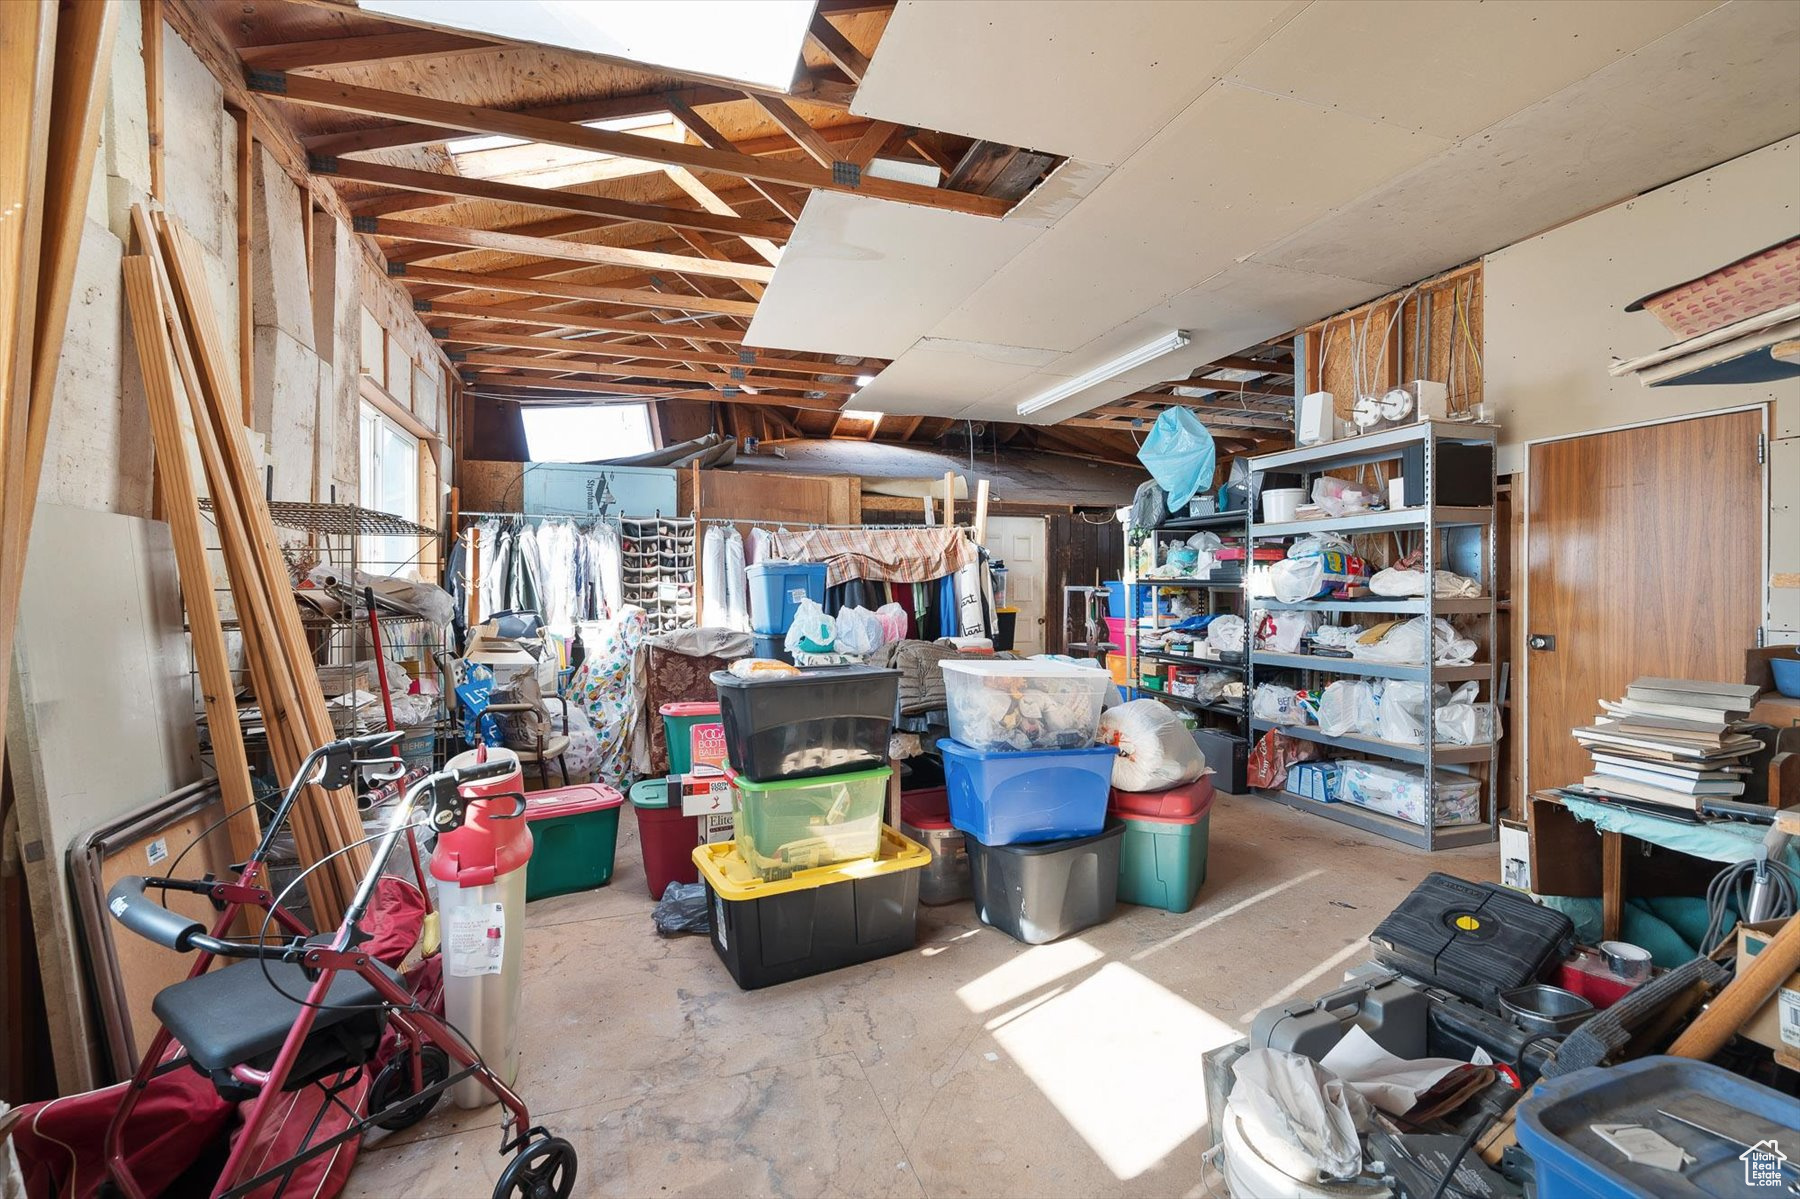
(1730, 888)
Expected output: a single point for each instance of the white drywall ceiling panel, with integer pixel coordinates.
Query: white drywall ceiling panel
(866, 276)
(1241, 305)
(943, 378)
(1238, 170)
(1729, 75)
(1091, 81)
(1451, 69)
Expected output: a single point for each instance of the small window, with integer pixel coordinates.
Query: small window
(390, 483)
(594, 433)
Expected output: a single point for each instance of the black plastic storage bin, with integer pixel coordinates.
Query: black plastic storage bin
(1047, 889)
(1227, 756)
(769, 932)
(823, 720)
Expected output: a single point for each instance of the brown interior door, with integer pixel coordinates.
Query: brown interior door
(1645, 551)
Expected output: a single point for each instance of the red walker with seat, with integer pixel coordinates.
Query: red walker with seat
(314, 1010)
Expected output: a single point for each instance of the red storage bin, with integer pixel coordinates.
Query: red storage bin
(929, 808)
(1185, 803)
(666, 837)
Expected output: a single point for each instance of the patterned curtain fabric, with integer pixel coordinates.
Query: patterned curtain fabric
(894, 555)
(602, 688)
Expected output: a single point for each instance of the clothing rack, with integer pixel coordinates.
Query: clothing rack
(794, 524)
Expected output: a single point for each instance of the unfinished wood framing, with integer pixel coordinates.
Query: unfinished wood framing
(1432, 330)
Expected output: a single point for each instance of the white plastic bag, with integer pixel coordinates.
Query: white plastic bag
(812, 631)
(1340, 497)
(1226, 634)
(1462, 721)
(1156, 751)
(1314, 545)
(1298, 1116)
(1402, 713)
(1277, 704)
(1348, 707)
(1296, 579)
(858, 632)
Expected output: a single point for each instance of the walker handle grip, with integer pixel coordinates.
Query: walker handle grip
(150, 920)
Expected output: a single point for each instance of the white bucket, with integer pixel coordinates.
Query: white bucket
(1278, 504)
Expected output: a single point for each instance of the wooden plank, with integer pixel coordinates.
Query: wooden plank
(534, 286)
(760, 359)
(1234, 363)
(795, 126)
(838, 48)
(181, 508)
(709, 136)
(550, 247)
(438, 183)
(979, 166)
(151, 14)
(710, 200)
(609, 108)
(375, 47)
(84, 41)
(708, 250)
(1612, 884)
(481, 384)
(246, 165)
(589, 365)
(570, 320)
(870, 143)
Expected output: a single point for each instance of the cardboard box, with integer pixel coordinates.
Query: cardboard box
(509, 659)
(705, 794)
(1515, 855)
(1777, 1023)
(1315, 780)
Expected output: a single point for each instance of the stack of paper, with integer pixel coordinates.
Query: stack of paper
(1671, 741)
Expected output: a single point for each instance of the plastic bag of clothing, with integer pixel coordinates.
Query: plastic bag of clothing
(1296, 579)
(1284, 631)
(1462, 721)
(812, 631)
(893, 622)
(1148, 506)
(858, 632)
(1341, 497)
(1156, 751)
(1348, 707)
(1227, 634)
(1398, 580)
(1297, 1117)
(1315, 545)
(1179, 454)
(682, 909)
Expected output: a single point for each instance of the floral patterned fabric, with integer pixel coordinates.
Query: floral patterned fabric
(602, 687)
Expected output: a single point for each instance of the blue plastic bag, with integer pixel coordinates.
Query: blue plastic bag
(1179, 455)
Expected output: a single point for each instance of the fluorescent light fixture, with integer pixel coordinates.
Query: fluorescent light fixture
(899, 170)
(1148, 352)
(753, 41)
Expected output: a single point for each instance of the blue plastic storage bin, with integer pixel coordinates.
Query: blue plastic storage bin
(1035, 795)
(1115, 598)
(1556, 1120)
(776, 590)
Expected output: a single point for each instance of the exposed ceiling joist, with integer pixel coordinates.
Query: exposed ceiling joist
(701, 128)
(399, 46)
(761, 360)
(876, 136)
(560, 290)
(729, 394)
(577, 320)
(1259, 365)
(344, 97)
(438, 183)
(838, 48)
(605, 369)
(795, 126)
(713, 203)
(549, 247)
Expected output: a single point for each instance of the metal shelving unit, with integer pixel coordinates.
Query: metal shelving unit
(1227, 524)
(1457, 538)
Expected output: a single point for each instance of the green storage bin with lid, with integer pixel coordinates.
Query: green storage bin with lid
(574, 833)
(679, 721)
(1162, 861)
(802, 824)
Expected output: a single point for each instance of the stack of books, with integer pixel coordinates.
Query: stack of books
(1671, 742)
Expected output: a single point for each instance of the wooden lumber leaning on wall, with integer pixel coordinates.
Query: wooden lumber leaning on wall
(54, 74)
(167, 284)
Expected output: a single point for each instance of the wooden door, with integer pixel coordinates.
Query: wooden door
(1645, 550)
(1018, 541)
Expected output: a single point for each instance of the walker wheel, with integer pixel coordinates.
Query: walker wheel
(393, 1086)
(544, 1169)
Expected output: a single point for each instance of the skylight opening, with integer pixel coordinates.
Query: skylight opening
(751, 41)
(588, 433)
(874, 418)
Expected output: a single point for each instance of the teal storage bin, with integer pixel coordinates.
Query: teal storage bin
(1162, 863)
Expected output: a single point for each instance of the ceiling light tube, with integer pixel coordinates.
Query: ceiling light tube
(1148, 352)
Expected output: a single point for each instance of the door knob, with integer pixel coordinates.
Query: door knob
(1542, 642)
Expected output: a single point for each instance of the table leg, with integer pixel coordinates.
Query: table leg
(1612, 892)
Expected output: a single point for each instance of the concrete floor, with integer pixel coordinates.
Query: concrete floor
(973, 1065)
